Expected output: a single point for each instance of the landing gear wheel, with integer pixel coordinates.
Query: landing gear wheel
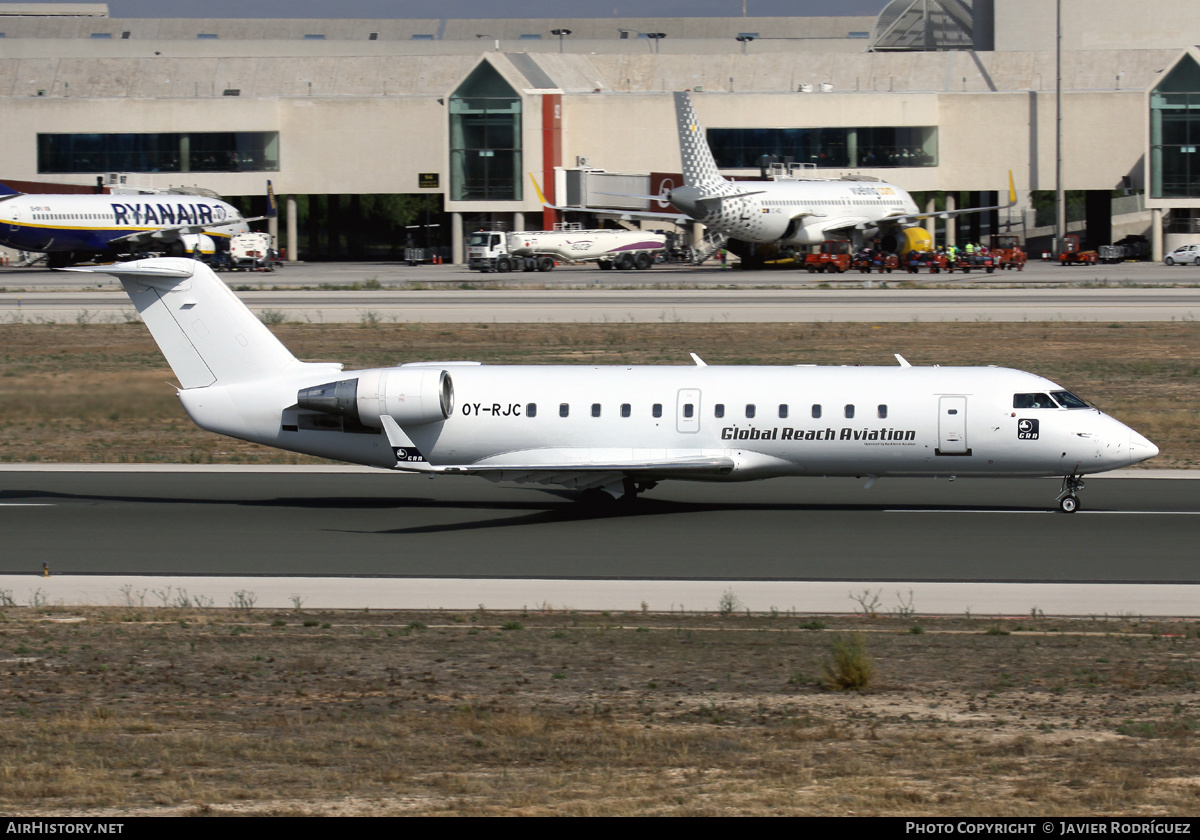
(1068, 501)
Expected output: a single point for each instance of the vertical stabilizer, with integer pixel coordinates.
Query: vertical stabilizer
(207, 334)
(699, 168)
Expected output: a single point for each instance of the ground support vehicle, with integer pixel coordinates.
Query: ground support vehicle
(542, 250)
(879, 261)
(834, 257)
(252, 252)
(417, 256)
(1008, 252)
(1072, 255)
(966, 263)
(932, 260)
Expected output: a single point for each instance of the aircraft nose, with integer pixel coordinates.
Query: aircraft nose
(1140, 449)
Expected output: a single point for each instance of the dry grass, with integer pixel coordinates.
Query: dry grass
(164, 711)
(99, 393)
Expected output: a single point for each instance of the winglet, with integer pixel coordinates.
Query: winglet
(538, 189)
(1012, 191)
(272, 207)
(903, 361)
(699, 362)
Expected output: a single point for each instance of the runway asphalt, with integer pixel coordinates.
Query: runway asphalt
(351, 538)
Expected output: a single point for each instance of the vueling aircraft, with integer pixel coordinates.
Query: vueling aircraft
(786, 210)
(78, 228)
(615, 431)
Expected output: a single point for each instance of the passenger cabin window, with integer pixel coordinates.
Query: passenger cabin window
(595, 409)
(626, 409)
(849, 412)
(816, 412)
(531, 410)
(750, 411)
(882, 412)
(783, 411)
(719, 410)
(564, 409)
(1033, 401)
(657, 410)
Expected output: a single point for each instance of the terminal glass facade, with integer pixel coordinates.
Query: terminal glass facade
(864, 147)
(1175, 133)
(197, 151)
(485, 139)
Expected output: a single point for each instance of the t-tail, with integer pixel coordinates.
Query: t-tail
(207, 334)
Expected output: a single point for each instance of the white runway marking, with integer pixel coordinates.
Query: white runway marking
(1027, 512)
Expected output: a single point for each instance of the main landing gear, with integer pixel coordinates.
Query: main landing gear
(1068, 501)
(623, 494)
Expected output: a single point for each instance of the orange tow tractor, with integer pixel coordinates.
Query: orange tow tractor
(834, 256)
(1071, 255)
(1006, 248)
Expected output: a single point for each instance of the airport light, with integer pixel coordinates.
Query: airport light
(560, 33)
(744, 40)
(655, 37)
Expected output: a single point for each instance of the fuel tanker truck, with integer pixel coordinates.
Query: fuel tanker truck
(541, 250)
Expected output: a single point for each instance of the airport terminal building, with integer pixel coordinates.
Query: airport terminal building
(456, 123)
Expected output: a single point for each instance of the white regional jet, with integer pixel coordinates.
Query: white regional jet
(615, 431)
(79, 227)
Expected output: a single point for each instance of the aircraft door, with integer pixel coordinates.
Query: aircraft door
(952, 426)
(687, 410)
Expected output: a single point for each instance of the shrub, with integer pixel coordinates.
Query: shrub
(850, 667)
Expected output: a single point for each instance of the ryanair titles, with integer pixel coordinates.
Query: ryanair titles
(884, 435)
(167, 214)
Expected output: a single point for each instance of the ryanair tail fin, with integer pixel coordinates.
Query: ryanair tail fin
(207, 334)
(272, 207)
(5, 189)
(699, 167)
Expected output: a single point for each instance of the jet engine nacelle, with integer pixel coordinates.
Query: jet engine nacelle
(903, 240)
(411, 396)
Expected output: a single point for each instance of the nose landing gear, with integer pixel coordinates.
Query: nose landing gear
(1068, 501)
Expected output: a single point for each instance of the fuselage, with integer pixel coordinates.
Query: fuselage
(794, 212)
(882, 421)
(50, 223)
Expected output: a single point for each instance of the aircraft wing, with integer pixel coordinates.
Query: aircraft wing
(579, 468)
(950, 214)
(170, 234)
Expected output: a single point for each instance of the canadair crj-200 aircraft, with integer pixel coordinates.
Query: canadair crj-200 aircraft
(77, 228)
(759, 217)
(615, 431)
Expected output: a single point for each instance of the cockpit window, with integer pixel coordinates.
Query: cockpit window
(1068, 400)
(1033, 401)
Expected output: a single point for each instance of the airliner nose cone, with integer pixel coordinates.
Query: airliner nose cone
(1140, 449)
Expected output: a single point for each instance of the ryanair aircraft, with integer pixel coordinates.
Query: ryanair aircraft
(615, 431)
(84, 227)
